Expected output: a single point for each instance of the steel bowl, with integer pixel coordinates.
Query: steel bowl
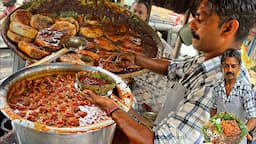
(98, 89)
(28, 132)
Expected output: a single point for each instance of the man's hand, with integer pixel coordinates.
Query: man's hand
(103, 102)
(251, 124)
(125, 59)
(156, 65)
(136, 133)
(249, 137)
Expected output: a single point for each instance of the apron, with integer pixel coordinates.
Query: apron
(174, 97)
(234, 106)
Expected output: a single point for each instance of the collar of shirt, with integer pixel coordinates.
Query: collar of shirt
(239, 82)
(211, 64)
(234, 92)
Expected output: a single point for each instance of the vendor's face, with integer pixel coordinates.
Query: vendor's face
(231, 68)
(206, 32)
(140, 10)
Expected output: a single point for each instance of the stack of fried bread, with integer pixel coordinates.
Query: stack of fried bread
(36, 30)
(38, 35)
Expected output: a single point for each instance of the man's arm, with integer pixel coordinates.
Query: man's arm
(251, 124)
(250, 108)
(136, 133)
(155, 65)
(213, 112)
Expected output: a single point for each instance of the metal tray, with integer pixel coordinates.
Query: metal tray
(101, 9)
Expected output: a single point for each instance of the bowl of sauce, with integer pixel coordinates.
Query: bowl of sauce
(95, 81)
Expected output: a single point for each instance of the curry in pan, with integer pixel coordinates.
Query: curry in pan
(52, 100)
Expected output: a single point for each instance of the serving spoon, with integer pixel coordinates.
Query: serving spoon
(108, 94)
(72, 44)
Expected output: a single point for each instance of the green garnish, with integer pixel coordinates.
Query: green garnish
(216, 120)
(68, 14)
(104, 18)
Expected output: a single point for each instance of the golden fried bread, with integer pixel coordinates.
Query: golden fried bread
(74, 58)
(106, 37)
(71, 20)
(131, 46)
(105, 44)
(40, 22)
(115, 28)
(67, 28)
(22, 16)
(16, 38)
(91, 22)
(124, 49)
(93, 55)
(23, 30)
(113, 37)
(91, 32)
(32, 50)
(50, 39)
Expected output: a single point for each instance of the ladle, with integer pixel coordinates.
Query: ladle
(72, 44)
(108, 94)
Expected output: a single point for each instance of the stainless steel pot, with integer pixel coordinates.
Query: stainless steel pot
(29, 132)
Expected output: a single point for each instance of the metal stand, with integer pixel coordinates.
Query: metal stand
(18, 62)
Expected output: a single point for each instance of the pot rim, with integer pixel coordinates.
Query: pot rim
(30, 71)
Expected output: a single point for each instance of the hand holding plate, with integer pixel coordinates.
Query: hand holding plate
(103, 102)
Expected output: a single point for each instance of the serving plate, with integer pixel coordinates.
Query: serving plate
(101, 10)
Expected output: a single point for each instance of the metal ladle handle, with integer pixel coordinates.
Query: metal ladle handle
(71, 44)
(51, 57)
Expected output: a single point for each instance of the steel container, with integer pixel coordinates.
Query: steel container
(28, 132)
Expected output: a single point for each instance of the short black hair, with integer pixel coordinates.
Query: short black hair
(231, 53)
(142, 2)
(244, 11)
